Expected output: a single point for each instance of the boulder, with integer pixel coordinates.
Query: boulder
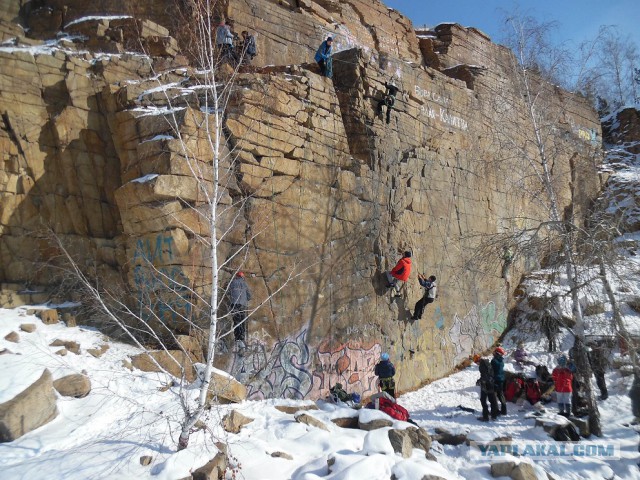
(374, 424)
(28, 327)
(401, 442)
(173, 362)
(419, 438)
(294, 409)
(311, 421)
(582, 424)
(49, 316)
(33, 407)
(524, 471)
(62, 352)
(146, 460)
(445, 437)
(98, 352)
(226, 388)
(76, 385)
(502, 469)
(346, 422)
(68, 344)
(69, 319)
(192, 346)
(12, 337)
(281, 455)
(233, 421)
(214, 469)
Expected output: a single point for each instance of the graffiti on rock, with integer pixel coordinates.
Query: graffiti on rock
(475, 332)
(162, 288)
(290, 370)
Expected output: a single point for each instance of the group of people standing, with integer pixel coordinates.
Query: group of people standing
(231, 48)
(568, 389)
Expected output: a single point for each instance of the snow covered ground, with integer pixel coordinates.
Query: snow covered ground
(129, 414)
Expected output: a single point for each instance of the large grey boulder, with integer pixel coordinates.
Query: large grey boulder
(401, 442)
(33, 407)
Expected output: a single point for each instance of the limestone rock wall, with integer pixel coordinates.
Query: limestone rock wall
(316, 183)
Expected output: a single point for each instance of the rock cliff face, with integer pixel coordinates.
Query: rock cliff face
(318, 181)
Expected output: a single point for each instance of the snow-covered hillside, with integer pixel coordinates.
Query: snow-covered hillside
(130, 414)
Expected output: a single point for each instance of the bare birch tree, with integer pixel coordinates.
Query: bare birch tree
(193, 107)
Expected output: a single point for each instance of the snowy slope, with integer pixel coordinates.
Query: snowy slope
(126, 415)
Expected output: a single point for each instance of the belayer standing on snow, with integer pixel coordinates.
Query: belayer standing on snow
(385, 371)
(487, 388)
(401, 271)
(429, 296)
(497, 362)
(323, 57)
(239, 296)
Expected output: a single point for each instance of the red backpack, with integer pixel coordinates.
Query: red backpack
(513, 389)
(393, 410)
(533, 391)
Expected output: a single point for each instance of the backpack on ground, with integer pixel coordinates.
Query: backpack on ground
(393, 409)
(513, 389)
(566, 433)
(533, 391)
(338, 393)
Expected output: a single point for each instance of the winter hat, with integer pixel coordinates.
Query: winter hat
(240, 274)
(384, 356)
(562, 360)
(500, 351)
(407, 254)
(329, 39)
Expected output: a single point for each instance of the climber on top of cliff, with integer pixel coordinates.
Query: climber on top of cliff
(323, 57)
(401, 271)
(224, 41)
(388, 100)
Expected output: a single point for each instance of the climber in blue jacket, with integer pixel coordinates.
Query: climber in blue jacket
(323, 57)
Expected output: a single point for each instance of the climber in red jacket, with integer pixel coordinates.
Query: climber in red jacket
(400, 272)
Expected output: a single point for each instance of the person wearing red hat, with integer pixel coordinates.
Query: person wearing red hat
(497, 362)
(239, 296)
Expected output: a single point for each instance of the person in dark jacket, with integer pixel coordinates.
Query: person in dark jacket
(388, 100)
(497, 362)
(323, 57)
(401, 271)
(487, 388)
(239, 296)
(385, 371)
(429, 296)
(249, 49)
(599, 360)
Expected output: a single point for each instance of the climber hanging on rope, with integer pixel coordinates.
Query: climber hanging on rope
(400, 272)
(388, 100)
(429, 296)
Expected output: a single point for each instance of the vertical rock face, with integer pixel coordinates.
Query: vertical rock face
(101, 146)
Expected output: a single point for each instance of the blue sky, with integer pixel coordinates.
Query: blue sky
(579, 20)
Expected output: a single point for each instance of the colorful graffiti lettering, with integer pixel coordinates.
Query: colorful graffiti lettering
(291, 371)
(349, 364)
